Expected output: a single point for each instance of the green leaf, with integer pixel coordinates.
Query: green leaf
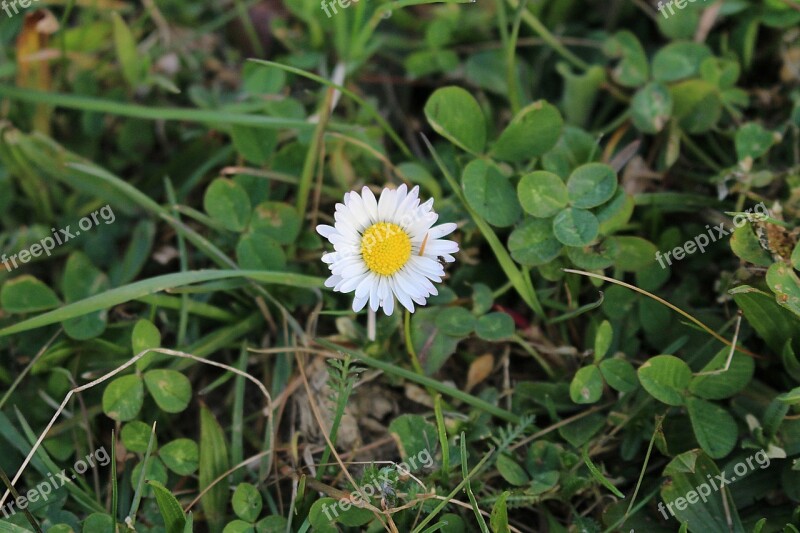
(531, 133)
(498, 520)
(698, 107)
(170, 509)
(227, 203)
(598, 475)
(82, 280)
(725, 384)
(619, 374)
(413, 435)
(425, 335)
(678, 61)
(144, 337)
(747, 247)
(26, 294)
(792, 397)
(586, 386)
(753, 141)
(542, 194)
(156, 471)
(511, 471)
(247, 502)
(276, 220)
(254, 144)
(575, 227)
(456, 115)
(666, 378)
(714, 428)
(455, 321)
(773, 323)
(257, 251)
(591, 185)
(136, 436)
(170, 389)
(496, 326)
(633, 70)
(602, 340)
(786, 286)
(182, 456)
(213, 464)
(123, 398)
(127, 54)
(694, 472)
(633, 253)
(533, 243)
(651, 108)
(490, 193)
(96, 522)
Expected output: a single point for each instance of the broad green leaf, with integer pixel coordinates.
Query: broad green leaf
(227, 203)
(678, 61)
(26, 294)
(786, 286)
(170, 509)
(81, 280)
(714, 428)
(456, 115)
(753, 141)
(170, 389)
(651, 108)
(182, 456)
(602, 340)
(633, 253)
(698, 107)
(413, 434)
(746, 246)
(498, 520)
(542, 194)
(666, 378)
(254, 144)
(496, 326)
(591, 185)
(136, 436)
(575, 227)
(633, 70)
(725, 384)
(455, 321)
(276, 220)
(213, 464)
(694, 472)
(144, 337)
(97, 522)
(533, 243)
(587, 385)
(490, 193)
(123, 398)
(511, 471)
(619, 374)
(531, 133)
(773, 323)
(247, 502)
(127, 54)
(257, 251)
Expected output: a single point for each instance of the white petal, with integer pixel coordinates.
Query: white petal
(365, 286)
(325, 230)
(374, 298)
(441, 230)
(350, 284)
(332, 281)
(359, 303)
(386, 204)
(370, 203)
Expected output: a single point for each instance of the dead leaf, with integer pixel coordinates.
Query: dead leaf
(480, 369)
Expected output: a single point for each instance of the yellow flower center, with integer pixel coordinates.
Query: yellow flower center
(385, 248)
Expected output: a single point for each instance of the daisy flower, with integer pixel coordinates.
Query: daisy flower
(387, 248)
